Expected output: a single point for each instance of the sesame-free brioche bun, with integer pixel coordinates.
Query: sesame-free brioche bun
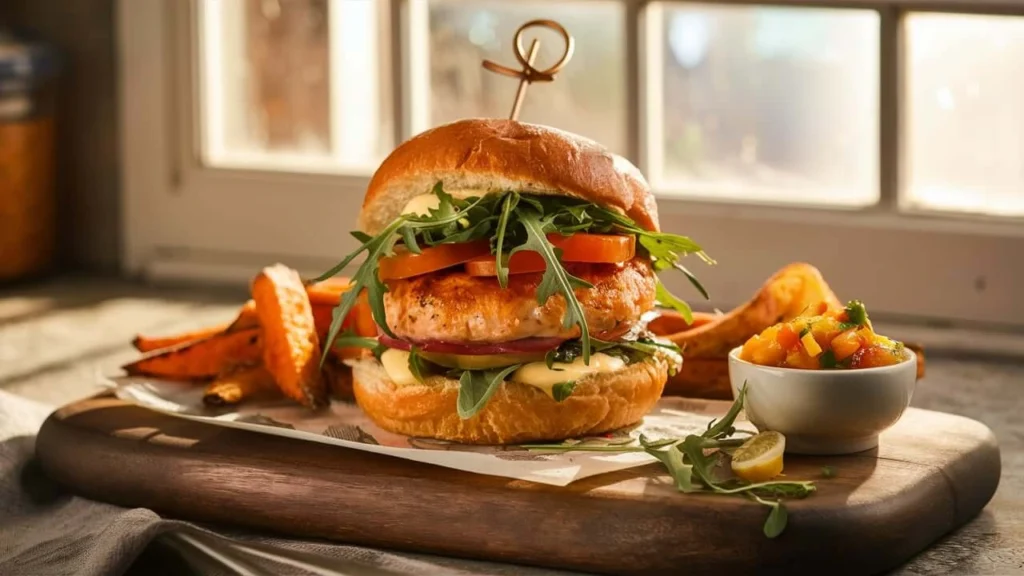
(494, 155)
(516, 413)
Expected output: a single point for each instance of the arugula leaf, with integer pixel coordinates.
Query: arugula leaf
(692, 278)
(828, 471)
(348, 339)
(376, 248)
(416, 365)
(363, 237)
(672, 458)
(477, 386)
(365, 277)
(511, 199)
(666, 298)
(555, 280)
(777, 519)
(562, 390)
(724, 427)
(409, 239)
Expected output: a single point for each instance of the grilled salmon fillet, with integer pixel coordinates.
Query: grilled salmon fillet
(455, 307)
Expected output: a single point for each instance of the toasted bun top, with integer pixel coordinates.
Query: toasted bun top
(493, 155)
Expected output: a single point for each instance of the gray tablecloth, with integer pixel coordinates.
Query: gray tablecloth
(45, 530)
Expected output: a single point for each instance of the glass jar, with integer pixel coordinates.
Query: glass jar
(28, 205)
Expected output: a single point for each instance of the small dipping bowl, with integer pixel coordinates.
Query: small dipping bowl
(825, 411)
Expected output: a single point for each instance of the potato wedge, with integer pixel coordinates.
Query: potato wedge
(241, 383)
(701, 378)
(291, 349)
(150, 343)
(784, 296)
(245, 320)
(328, 292)
(339, 380)
(203, 358)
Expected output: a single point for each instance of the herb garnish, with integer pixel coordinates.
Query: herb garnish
(512, 222)
(477, 386)
(692, 469)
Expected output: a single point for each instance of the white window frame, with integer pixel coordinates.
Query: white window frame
(920, 265)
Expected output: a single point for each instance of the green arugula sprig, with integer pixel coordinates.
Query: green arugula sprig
(519, 222)
(693, 470)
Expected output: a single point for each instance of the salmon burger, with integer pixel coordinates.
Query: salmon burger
(511, 270)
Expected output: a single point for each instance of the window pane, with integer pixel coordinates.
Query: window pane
(771, 104)
(965, 127)
(589, 95)
(291, 84)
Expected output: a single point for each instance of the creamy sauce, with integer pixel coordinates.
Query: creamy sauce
(538, 375)
(396, 365)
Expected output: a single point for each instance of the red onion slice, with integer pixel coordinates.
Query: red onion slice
(475, 349)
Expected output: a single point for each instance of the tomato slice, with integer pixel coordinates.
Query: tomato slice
(581, 247)
(405, 264)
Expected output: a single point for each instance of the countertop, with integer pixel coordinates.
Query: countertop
(59, 336)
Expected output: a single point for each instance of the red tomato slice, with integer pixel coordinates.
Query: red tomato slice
(591, 248)
(405, 264)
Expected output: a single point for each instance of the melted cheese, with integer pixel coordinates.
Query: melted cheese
(538, 375)
(396, 365)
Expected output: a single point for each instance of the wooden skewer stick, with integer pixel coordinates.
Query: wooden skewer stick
(524, 81)
(529, 74)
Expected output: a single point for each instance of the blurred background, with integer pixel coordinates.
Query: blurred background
(162, 148)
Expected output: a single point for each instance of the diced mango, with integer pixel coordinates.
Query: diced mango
(810, 344)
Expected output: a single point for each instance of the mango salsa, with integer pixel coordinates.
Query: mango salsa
(823, 339)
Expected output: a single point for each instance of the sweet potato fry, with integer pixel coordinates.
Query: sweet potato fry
(339, 380)
(784, 296)
(701, 378)
(328, 292)
(150, 343)
(291, 349)
(242, 383)
(245, 320)
(204, 358)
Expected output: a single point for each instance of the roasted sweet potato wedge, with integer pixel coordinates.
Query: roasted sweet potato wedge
(150, 343)
(784, 296)
(328, 292)
(203, 358)
(245, 320)
(291, 349)
(242, 383)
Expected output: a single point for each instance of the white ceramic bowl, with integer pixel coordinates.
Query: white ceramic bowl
(825, 411)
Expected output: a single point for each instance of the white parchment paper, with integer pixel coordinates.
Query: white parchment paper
(346, 425)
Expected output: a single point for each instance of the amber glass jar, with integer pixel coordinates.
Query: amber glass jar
(28, 222)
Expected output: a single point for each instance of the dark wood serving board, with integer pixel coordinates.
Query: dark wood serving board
(931, 474)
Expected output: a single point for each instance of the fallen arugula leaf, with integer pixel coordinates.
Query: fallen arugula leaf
(828, 472)
(695, 470)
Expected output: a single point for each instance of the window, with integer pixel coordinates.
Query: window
(291, 85)
(883, 144)
(770, 103)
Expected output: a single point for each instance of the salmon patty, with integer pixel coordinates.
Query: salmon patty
(455, 307)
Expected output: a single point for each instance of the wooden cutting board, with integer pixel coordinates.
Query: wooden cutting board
(931, 474)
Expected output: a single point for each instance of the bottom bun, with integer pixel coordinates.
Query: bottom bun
(516, 413)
